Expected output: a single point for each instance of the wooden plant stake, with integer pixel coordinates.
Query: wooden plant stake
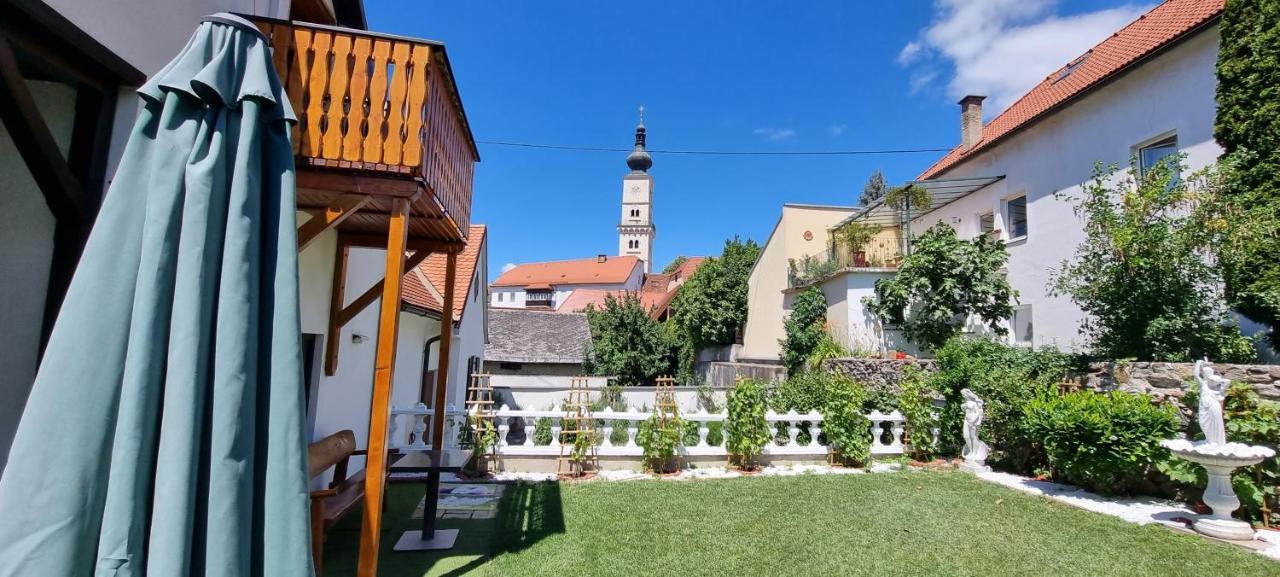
(480, 402)
(667, 410)
(577, 424)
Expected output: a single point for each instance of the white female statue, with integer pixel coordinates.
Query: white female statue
(975, 451)
(1213, 389)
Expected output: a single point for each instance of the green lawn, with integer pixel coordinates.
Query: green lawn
(911, 523)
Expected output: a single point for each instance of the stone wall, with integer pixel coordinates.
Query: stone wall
(1160, 380)
(878, 373)
(1163, 380)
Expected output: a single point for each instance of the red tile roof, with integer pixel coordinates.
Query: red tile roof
(652, 301)
(614, 270)
(1152, 31)
(424, 296)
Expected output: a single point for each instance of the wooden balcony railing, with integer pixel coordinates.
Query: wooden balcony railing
(377, 105)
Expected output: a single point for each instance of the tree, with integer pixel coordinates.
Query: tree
(626, 342)
(874, 189)
(803, 328)
(942, 283)
(712, 304)
(1248, 128)
(1142, 274)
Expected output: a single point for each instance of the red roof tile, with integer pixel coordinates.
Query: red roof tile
(614, 270)
(1152, 31)
(434, 267)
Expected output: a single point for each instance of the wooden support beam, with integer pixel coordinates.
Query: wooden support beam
(414, 244)
(347, 182)
(442, 365)
(380, 405)
(36, 145)
(367, 298)
(338, 294)
(347, 205)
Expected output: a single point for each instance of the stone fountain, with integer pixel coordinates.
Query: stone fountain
(1219, 459)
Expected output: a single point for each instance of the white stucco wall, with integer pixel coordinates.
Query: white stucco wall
(147, 34)
(1171, 93)
(26, 251)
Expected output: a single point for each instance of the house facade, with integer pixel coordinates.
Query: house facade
(64, 129)
(802, 232)
(1144, 93)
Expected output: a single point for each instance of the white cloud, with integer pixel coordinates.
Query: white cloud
(1002, 48)
(837, 129)
(508, 266)
(776, 134)
(909, 52)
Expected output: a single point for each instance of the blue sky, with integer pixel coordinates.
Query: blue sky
(818, 75)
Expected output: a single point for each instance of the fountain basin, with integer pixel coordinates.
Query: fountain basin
(1219, 461)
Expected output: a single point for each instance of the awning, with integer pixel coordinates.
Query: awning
(943, 190)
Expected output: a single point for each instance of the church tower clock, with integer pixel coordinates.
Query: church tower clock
(635, 229)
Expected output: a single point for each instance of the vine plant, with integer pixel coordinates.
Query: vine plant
(748, 431)
(660, 441)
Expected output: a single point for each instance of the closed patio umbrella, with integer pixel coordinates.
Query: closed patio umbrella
(164, 434)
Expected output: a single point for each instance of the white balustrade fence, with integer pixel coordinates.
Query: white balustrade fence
(409, 426)
(517, 432)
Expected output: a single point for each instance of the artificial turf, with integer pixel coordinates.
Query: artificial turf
(885, 524)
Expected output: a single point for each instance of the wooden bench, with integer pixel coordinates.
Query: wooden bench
(328, 506)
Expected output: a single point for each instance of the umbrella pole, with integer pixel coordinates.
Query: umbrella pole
(438, 415)
(379, 407)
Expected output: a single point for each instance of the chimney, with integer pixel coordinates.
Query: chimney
(601, 258)
(971, 120)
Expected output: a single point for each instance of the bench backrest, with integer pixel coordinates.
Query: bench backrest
(330, 451)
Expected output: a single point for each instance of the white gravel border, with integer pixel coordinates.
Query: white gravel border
(1138, 510)
(705, 473)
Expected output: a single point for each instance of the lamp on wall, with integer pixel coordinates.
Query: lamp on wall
(358, 338)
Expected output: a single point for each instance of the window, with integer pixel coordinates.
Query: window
(1016, 216)
(500, 297)
(1022, 326)
(1150, 155)
(986, 223)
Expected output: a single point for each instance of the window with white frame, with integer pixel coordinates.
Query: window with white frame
(500, 297)
(1023, 328)
(1152, 154)
(1016, 217)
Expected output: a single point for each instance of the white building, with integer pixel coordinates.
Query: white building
(1144, 93)
(341, 400)
(547, 285)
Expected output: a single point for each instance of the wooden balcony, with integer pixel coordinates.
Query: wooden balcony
(378, 117)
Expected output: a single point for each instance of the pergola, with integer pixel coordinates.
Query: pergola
(385, 157)
(942, 191)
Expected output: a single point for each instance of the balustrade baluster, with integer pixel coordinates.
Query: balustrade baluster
(530, 427)
(504, 427)
(704, 429)
(607, 441)
(394, 441)
(555, 431)
(793, 431)
(632, 428)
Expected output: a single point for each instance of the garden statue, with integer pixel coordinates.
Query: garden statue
(1213, 390)
(975, 451)
(1219, 458)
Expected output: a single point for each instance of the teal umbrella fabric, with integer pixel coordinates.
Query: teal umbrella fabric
(164, 433)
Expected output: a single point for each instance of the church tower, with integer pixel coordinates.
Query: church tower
(635, 229)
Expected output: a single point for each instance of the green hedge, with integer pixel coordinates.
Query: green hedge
(1108, 443)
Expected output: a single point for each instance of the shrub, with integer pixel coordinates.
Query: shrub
(846, 427)
(1006, 378)
(1249, 419)
(916, 404)
(660, 441)
(747, 430)
(625, 342)
(1107, 443)
(803, 392)
(826, 348)
(803, 328)
(943, 284)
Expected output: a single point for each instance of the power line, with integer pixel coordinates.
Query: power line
(718, 152)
